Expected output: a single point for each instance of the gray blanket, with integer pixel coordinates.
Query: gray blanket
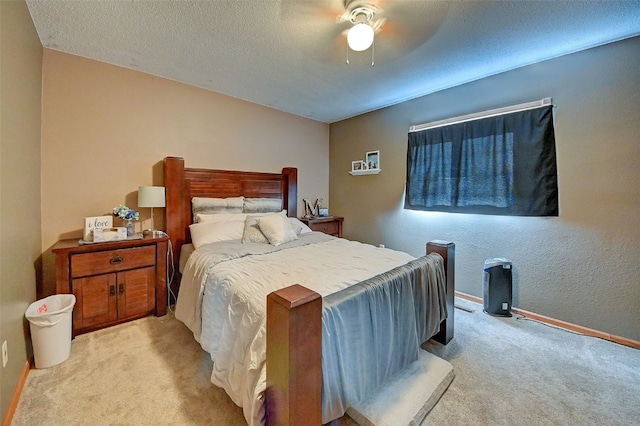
(375, 328)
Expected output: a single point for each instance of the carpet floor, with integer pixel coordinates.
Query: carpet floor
(508, 371)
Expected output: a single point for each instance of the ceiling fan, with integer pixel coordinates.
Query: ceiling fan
(393, 28)
(366, 20)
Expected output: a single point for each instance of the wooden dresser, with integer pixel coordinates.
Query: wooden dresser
(329, 225)
(113, 282)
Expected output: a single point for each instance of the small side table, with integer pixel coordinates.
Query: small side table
(329, 225)
(114, 281)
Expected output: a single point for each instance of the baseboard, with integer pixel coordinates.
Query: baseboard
(562, 324)
(16, 395)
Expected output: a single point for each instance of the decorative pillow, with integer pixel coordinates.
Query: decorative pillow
(219, 217)
(262, 205)
(252, 232)
(216, 205)
(298, 226)
(211, 232)
(277, 229)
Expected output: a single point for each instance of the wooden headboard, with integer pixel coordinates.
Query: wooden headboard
(183, 183)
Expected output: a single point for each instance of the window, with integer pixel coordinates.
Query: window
(504, 165)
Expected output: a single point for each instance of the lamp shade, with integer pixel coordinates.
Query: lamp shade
(151, 196)
(360, 37)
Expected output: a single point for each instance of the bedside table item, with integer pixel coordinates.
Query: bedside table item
(329, 225)
(151, 196)
(113, 282)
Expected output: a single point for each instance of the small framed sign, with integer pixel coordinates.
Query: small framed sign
(96, 222)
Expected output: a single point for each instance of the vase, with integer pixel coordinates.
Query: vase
(128, 223)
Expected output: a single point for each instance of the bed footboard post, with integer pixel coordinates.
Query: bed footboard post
(294, 357)
(448, 252)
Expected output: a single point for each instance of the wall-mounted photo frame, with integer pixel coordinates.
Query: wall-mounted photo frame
(370, 166)
(372, 160)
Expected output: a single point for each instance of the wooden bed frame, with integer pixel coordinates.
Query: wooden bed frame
(294, 314)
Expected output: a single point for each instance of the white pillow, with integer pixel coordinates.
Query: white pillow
(216, 205)
(262, 205)
(211, 232)
(284, 212)
(299, 226)
(277, 229)
(219, 217)
(252, 232)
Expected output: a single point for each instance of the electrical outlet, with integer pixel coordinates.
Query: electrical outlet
(5, 354)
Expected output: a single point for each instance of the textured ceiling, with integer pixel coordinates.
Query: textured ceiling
(291, 54)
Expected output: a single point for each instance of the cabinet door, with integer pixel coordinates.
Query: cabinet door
(136, 292)
(95, 301)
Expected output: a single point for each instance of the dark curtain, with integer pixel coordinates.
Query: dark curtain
(503, 165)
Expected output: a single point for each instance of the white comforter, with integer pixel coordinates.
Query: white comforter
(223, 299)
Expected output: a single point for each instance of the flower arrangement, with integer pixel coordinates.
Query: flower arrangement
(125, 213)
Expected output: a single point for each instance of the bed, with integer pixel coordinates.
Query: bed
(295, 322)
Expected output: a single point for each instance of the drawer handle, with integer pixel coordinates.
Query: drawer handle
(116, 260)
(112, 290)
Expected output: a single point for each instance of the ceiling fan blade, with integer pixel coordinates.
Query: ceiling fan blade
(310, 9)
(408, 25)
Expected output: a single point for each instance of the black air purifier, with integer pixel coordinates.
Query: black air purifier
(497, 287)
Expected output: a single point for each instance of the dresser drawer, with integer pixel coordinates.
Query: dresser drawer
(330, 228)
(101, 262)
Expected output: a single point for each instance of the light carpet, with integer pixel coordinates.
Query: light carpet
(508, 371)
(513, 371)
(145, 372)
(408, 396)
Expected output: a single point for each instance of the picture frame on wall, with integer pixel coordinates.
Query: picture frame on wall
(357, 166)
(372, 160)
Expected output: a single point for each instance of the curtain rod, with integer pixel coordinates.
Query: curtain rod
(479, 115)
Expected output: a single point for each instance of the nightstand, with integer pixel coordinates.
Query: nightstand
(329, 225)
(113, 282)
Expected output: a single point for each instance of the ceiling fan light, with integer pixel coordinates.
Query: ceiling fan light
(360, 37)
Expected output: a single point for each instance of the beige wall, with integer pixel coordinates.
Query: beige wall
(106, 129)
(20, 238)
(582, 267)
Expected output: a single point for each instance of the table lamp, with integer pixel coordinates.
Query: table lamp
(151, 196)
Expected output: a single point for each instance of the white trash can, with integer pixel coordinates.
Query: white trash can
(50, 323)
